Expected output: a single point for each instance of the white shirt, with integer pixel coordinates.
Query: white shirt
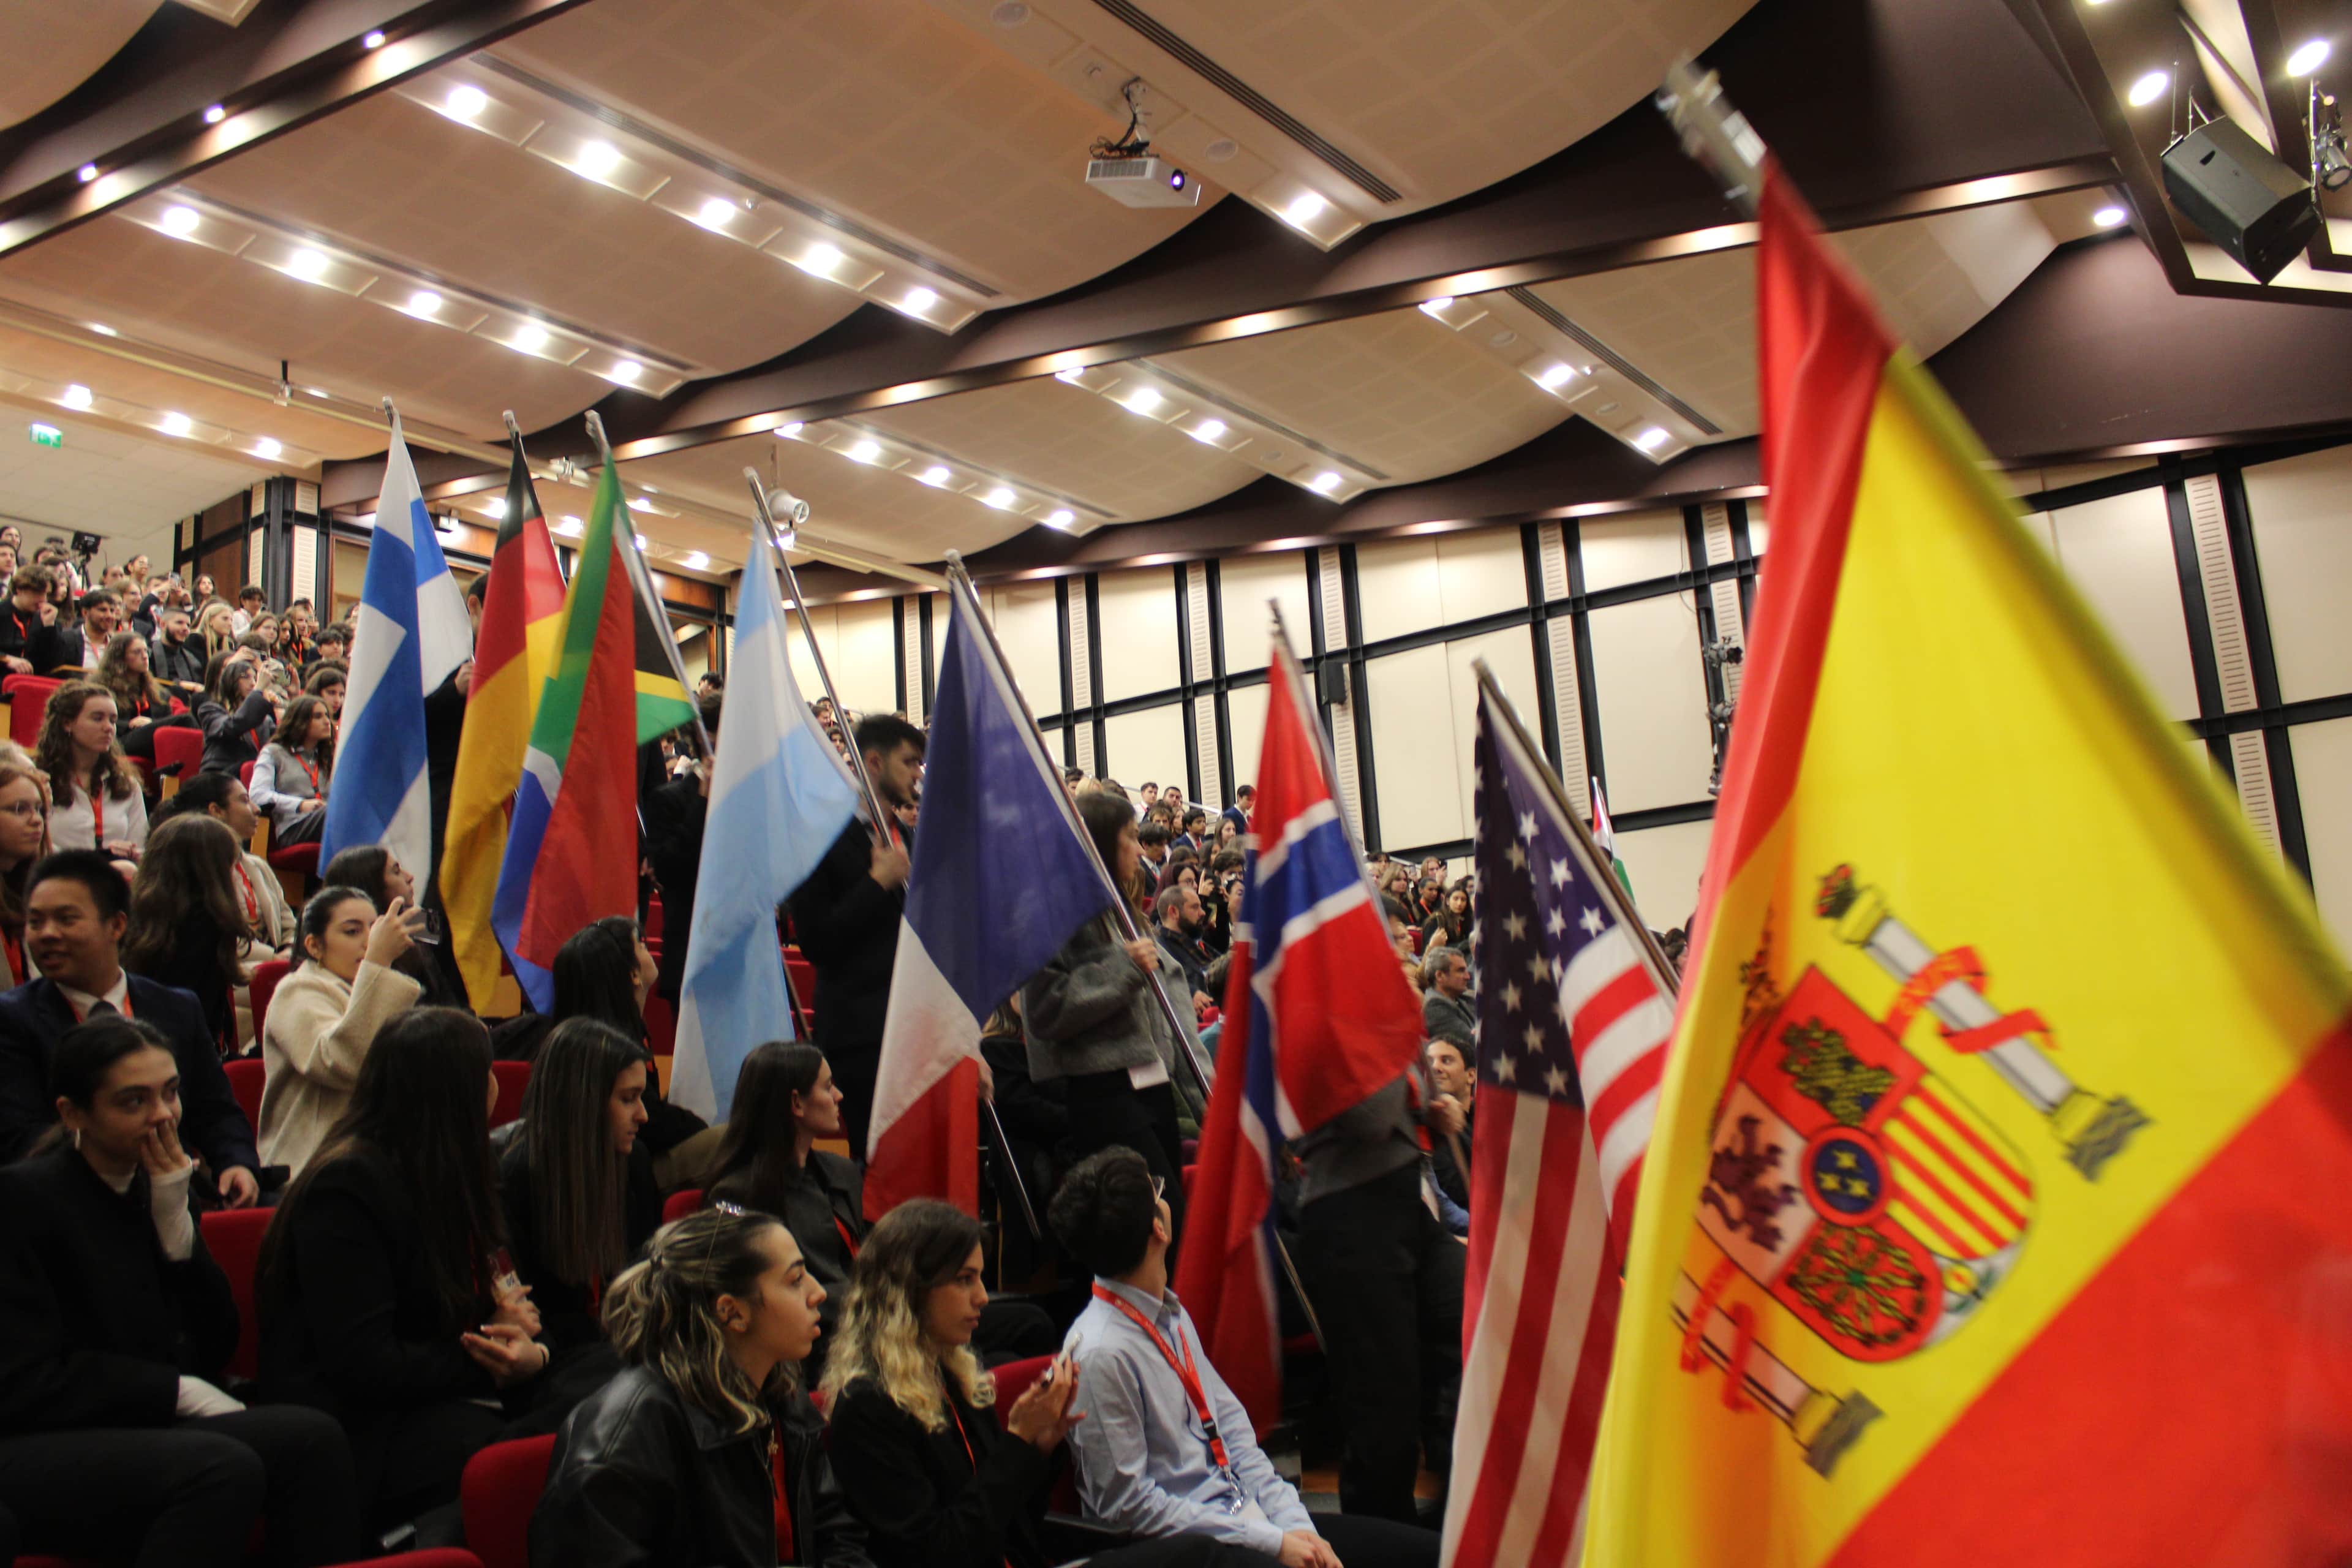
(118, 998)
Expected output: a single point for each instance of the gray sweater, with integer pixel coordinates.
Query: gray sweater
(1091, 1010)
(1366, 1140)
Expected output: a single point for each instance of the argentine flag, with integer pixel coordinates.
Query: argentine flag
(410, 632)
(780, 796)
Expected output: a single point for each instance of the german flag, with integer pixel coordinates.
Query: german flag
(1996, 1208)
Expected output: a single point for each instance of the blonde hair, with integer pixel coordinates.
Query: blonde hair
(911, 1251)
(662, 1314)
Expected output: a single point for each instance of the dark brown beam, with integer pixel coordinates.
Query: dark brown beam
(141, 120)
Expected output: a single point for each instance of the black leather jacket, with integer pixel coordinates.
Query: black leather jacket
(641, 1479)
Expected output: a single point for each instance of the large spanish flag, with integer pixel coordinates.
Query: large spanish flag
(514, 650)
(2001, 1205)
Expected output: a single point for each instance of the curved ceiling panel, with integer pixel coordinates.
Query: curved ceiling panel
(51, 46)
(411, 185)
(882, 110)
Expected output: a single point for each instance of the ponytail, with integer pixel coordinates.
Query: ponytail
(662, 1314)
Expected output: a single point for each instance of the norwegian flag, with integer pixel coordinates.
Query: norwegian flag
(1319, 1016)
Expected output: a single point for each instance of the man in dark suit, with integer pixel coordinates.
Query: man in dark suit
(77, 647)
(845, 918)
(74, 915)
(1245, 802)
(24, 619)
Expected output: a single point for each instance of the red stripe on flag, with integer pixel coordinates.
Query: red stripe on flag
(1993, 1200)
(1912, 1171)
(1580, 1433)
(1920, 1211)
(1609, 1004)
(1923, 1095)
(1636, 1080)
(1490, 1156)
(2187, 1405)
(933, 1151)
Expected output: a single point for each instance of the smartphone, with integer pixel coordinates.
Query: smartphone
(432, 930)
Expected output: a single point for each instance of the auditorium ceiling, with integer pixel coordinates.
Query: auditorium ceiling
(849, 247)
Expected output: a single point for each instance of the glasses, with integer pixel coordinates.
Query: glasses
(31, 810)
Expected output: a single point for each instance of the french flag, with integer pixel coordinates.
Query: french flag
(999, 880)
(1318, 1015)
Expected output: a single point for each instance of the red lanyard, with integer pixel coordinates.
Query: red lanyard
(970, 1458)
(98, 817)
(311, 771)
(1186, 1371)
(784, 1496)
(16, 945)
(252, 899)
(847, 1240)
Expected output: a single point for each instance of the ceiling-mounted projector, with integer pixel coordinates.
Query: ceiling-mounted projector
(1145, 181)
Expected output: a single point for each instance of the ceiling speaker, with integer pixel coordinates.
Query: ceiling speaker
(2250, 204)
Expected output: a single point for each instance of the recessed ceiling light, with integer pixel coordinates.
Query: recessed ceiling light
(570, 527)
(76, 396)
(1060, 516)
(1143, 400)
(696, 561)
(424, 302)
(374, 40)
(999, 497)
(1325, 482)
(316, 391)
(1208, 430)
(88, 173)
(308, 265)
(1221, 151)
(2307, 58)
(639, 503)
(1069, 375)
(1009, 14)
(182, 221)
(821, 258)
(496, 506)
(717, 212)
(2149, 88)
(1555, 376)
(1651, 439)
(268, 448)
(936, 474)
(530, 337)
(865, 451)
(1304, 210)
(103, 330)
(2109, 217)
(919, 298)
(786, 432)
(216, 114)
(1437, 307)
(178, 424)
(466, 102)
(598, 159)
(628, 370)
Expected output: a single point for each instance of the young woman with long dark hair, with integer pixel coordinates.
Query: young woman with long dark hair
(381, 1290)
(141, 705)
(236, 711)
(187, 927)
(294, 772)
(24, 839)
(94, 798)
(1449, 925)
(327, 1015)
(377, 872)
(703, 1450)
(115, 1323)
(577, 1188)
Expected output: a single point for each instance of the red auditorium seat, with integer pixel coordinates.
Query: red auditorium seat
(234, 1238)
(265, 978)
(180, 745)
(681, 1204)
(501, 1489)
(245, 774)
(661, 1025)
(297, 866)
(1013, 1378)
(513, 1078)
(245, 1078)
(26, 695)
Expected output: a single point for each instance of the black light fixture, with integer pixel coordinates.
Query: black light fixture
(2331, 165)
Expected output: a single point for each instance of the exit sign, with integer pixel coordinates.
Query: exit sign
(48, 436)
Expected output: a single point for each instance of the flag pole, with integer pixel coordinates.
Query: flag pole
(1714, 134)
(799, 509)
(1653, 957)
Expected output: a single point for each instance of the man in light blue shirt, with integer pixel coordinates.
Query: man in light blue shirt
(1149, 1463)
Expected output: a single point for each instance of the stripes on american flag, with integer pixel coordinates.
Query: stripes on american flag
(1572, 1028)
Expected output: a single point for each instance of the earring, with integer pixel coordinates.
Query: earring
(76, 1139)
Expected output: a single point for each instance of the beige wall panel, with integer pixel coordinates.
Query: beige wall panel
(1663, 865)
(866, 673)
(940, 612)
(1397, 588)
(1620, 550)
(1480, 573)
(1421, 793)
(1245, 721)
(828, 638)
(2302, 511)
(1759, 527)
(1030, 630)
(1146, 745)
(2323, 775)
(2038, 525)
(1511, 655)
(1653, 699)
(1244, 582)
(2119, 554)
(1139, 645)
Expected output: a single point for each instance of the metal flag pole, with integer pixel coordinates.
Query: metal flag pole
(1713, 133)
(798, 510)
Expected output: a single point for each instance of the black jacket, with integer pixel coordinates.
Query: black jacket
(184, 664)
(36, 1016)
(568, 1314)
(642, 1480)
(96, 1324)
(60, 646)
(194, 966)
(922, 1502)
(847, 925)
(1186, 951)
(233, 739)
(20, 634)
(822, 1207)
(674, 815)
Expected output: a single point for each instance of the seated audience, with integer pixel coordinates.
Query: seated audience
(294, 772)
(176, 655)
(95, 802)
(913, 1440)
(141, 705)
(1180, 920)
(24, 839)
(25, 618)
(576, 1183)
(381, 1287)
(703, 1450)
(236, 712)
(258, 894)
(1450, 1075)
(75, 644)
(377, 872)
(327, 681)
(186, 928)
(1449, 925)
(215, 634)
(1165, 1447)
(326, 1015)
(75, 912)
(1445, 1010)
(115, 1323)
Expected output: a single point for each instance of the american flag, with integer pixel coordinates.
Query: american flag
(1572, 1028)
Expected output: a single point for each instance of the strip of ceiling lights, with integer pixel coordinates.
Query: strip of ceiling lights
(605, 149)
(1152, 392)
(74, 398)
(942, 471)
(1531, 342)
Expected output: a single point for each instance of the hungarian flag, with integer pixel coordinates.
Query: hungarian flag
(1996, 1212)
(522, 610)
(572, 850)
